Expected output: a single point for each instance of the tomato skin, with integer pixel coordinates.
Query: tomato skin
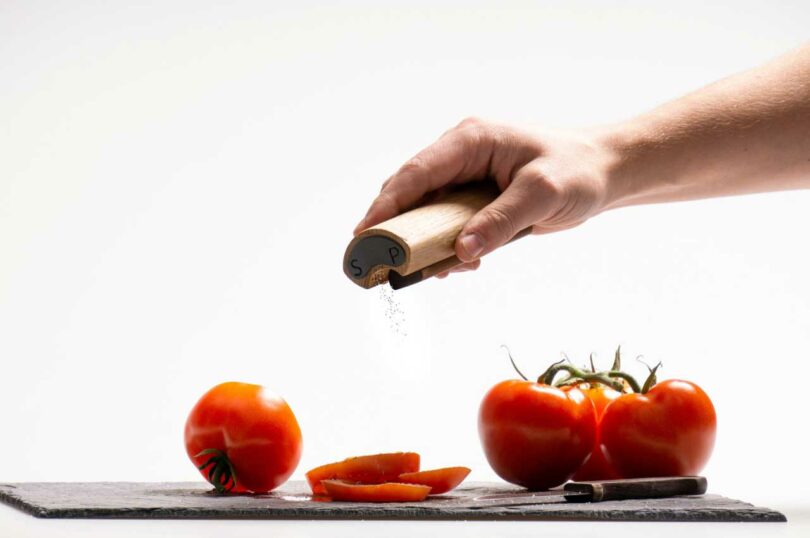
(669, 431)
(535, 435)
(341, 490)
(254, 428)
(596, 467)
(371, 469)
(439, 480)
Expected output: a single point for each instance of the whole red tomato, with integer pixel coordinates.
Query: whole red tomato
(596, 467)
(668, 431)
(536, 435)
(242, 437)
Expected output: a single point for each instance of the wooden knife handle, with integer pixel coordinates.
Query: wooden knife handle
(635, 488)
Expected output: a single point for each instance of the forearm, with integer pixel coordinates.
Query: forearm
(747, 133)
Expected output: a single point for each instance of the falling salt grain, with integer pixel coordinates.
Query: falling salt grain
(393, 310)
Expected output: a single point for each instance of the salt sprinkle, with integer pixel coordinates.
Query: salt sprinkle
(393, 310)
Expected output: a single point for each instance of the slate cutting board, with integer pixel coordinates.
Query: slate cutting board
(195, 500)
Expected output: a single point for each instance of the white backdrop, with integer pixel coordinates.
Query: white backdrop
(178, 181)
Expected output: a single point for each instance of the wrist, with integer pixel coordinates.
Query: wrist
(619, 143)
(640, 168)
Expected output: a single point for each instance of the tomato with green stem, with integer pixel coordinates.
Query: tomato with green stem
(657, 429)
(535, 434)
(666, 429)
(243, 438)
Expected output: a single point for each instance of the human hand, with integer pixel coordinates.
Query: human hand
(549, 181)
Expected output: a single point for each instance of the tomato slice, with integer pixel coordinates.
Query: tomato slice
(439, 480)
(373, 469)
(388, 492)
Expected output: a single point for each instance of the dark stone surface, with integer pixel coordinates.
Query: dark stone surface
(195, 500)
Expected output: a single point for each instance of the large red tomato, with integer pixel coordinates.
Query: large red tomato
(536, 435)
(668, 431)
(243, 437)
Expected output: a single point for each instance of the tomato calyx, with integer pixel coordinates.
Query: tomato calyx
(615, 378)
(509, 354)
(652, 379)
(221, 474)
(576, 376)
(626, 378)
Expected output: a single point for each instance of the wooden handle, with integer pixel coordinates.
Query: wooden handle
(417, 239)
(636, 488)
(399, 282)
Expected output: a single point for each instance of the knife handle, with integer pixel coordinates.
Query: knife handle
(634, 488)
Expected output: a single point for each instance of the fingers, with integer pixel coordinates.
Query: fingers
(527, 200)
(461, 154)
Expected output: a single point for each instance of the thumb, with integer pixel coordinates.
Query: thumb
(525, 201)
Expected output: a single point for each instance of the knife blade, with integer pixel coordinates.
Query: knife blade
(604, 490)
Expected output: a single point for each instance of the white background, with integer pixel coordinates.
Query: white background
(178, 181)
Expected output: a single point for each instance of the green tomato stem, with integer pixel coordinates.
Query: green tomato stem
(627, 377)
(617, 359)
(652, 379)
(513, 363)
(221, 475)
(547, 377)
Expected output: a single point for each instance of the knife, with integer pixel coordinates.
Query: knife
(604, 490)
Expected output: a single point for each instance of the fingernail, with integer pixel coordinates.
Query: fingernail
(472, 245)
(360, 225)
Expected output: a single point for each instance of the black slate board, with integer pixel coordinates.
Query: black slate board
(195, 500)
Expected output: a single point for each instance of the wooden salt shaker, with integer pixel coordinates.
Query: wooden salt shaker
(418, 244)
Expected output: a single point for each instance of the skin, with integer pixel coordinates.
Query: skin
(745, 134)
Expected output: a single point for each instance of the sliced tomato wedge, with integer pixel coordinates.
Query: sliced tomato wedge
(373, 469)
(439, 480)
(388, 492)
